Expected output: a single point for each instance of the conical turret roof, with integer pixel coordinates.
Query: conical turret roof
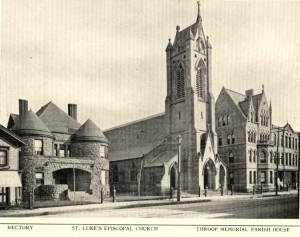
(31, 124)
(89, 131)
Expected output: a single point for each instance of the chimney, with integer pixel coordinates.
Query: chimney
(23, 107)
(249, 93)
(72, 111)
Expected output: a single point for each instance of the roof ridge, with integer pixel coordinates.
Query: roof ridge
(234, 91)
(133, 122)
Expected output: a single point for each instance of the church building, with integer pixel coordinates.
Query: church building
(146, 156)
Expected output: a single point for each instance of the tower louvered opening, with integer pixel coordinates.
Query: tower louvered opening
(180, 82)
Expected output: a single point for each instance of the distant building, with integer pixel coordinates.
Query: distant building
(144, 154)
(57, 148)
(10, 173)
(248, 140)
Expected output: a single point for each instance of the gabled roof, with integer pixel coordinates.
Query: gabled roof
(288, 127)
(89, 131)
(11, 137)
(57, 120)
(13, 120)
(31, 124)
(235, 96)
(135, 139)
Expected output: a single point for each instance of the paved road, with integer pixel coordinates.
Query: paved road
(260, 207)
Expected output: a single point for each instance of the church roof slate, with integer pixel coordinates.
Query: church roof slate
(135, 139)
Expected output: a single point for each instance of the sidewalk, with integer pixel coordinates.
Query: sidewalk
(131, 204)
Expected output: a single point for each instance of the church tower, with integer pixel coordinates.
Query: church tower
(189, 104)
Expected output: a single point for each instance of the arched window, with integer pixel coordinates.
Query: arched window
(223, 121)
(262, 157)
(200, 80)
(232, 138)
(254, 156)
(254, 138)
(115, 174)
(228, 119)
(228, 139)
(231, 157)
(219, 121)
(250, 155)
(180, 82)
(133, 172)
(249, 138)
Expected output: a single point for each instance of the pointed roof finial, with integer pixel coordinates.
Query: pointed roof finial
(198, 15)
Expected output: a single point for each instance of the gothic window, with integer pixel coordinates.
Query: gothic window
(254, 138)
(200, 80)
(231, 157)
(254, 177)
(223, 121)
(249, 136)
(180, 82)
(219, 121)
(254, 156)
(115, 174)
(133, 172)
(250, 155)
(271, 157)
(232, 138)
(228, 119)
(228, 139)
(250, 177)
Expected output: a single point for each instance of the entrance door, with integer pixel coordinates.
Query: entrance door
(209, 175)
(173, 178)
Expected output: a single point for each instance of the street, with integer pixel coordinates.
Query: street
(249, 208)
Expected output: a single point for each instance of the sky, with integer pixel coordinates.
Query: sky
(108, 56)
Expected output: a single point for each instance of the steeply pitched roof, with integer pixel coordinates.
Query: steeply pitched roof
(57, 120)
(235, 96)
(13, 120)
(161, 159)
(256, 100)
(89, 131)
(135, 139)
(30, 123)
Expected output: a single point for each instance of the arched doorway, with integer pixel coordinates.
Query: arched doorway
(209, 174)
(222, 176)
(66, 176)
(173, 177)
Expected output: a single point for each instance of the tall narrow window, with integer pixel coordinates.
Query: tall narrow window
(254, 177)
(232, 138)
(220, 141)
(133, 172)
(180, 82)
(254, 156)
(219, 121)
(228, 119)
(223, 121)
(250, 155)
(262, 157)
(38, 147)
(263, 177)
(102, 151)
(228, 139)
(250, 177)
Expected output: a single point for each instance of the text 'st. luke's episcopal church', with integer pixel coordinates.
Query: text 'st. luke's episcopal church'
(143, 154)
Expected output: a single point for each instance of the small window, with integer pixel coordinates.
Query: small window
(39, 178)
(55, 149)
(3, 158)
(38, 147)
(262, 157)
(231, 157)
(219, 121)
(223, 121)
(228, 139)
(220, 141)
(62, 150)
(102, 151)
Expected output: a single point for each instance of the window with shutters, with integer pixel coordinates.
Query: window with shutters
(180, 82)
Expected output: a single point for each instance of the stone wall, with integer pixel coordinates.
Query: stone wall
(47, 165)
(85, 149)
(28, 148)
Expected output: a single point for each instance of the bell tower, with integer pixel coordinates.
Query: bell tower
(189, 104)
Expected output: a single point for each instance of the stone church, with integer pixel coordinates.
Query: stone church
(144, 155)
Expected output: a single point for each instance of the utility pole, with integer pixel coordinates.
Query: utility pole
(179, 158)
(278, 158)
(74, 183)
